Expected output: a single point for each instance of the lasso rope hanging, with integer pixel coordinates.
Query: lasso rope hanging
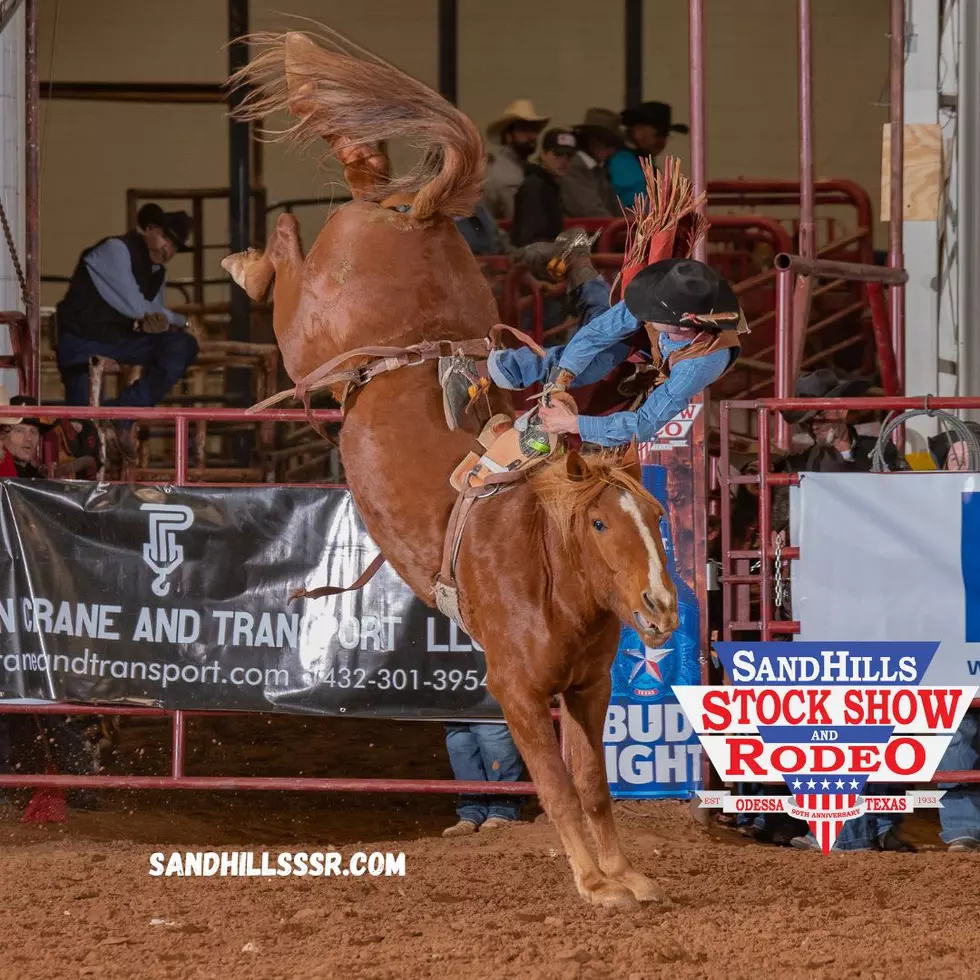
(948, 423)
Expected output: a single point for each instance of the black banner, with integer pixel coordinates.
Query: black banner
(179, 598)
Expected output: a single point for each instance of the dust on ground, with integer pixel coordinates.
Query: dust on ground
(78, 900)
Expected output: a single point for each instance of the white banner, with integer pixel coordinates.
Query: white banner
(906, 803)
(891, 557)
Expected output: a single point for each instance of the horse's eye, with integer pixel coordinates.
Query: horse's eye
(598, 525)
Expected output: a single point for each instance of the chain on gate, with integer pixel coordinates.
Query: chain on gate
(14, 257)
(780, 591)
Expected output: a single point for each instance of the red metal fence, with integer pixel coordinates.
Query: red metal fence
(182, 418)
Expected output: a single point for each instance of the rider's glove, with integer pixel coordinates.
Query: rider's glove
(558, 380)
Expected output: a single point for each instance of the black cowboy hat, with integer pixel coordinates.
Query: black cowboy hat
(176, 225)
(824, 383)
(42, 425)
(683, 293)
(655, 114)
(940, 445)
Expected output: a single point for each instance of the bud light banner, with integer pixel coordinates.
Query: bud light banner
(179, 597)
(651, 748)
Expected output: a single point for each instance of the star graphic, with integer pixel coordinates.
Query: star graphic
(811, 784)
(825, 784)
(854, 784)
(839, 784)
(648, 660)
(796, 784)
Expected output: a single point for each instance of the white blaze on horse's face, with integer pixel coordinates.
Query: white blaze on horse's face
(656, 606)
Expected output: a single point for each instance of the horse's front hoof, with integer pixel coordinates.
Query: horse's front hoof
(235, 264)
(610, 894)
(642, 888)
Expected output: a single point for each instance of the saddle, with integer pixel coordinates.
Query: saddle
(511, 446)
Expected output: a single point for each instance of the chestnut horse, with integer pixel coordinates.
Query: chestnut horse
(547, 569)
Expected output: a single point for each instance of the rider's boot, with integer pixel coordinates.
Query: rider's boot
(568, 258)
(462, 383)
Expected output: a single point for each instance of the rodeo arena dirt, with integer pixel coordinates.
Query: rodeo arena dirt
(528, 558)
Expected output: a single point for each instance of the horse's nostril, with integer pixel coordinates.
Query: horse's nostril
(648, 602)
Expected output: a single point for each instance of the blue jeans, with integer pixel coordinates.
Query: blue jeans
(867, 832)
(164, 358)
(521, 368)
(485, 752)
(960, 813)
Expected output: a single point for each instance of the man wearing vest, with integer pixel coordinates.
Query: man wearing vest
(690, 314)
(114, 308)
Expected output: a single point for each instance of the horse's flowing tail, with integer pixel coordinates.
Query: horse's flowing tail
(357, 100)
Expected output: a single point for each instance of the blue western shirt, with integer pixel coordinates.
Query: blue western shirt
(686, 379)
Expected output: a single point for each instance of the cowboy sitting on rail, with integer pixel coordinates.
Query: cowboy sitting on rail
(690, 313)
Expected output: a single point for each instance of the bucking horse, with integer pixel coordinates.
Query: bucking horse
(544, 568)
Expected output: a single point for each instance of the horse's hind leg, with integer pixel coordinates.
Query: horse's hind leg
(531, 726)
(283, 258)
(583, 718)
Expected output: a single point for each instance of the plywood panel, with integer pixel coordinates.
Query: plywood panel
(922, 172)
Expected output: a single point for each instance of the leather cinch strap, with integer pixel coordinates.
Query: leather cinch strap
(382, 360)
(365, 577)
(492, 485)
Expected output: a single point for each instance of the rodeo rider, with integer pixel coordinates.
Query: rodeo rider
(692, 317)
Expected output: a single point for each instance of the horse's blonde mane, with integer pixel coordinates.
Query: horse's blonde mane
(351, 98)
(566, 501)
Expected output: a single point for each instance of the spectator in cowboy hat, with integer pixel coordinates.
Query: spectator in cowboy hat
(837, 446)
(8, 468)
(515, 134)
(115, 308)
(538, 209)
(585, 190)
(949, 450)
(21, 438)
(78, 444)
(648, 127)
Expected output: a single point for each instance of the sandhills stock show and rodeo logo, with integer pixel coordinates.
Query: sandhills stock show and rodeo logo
(825, 720)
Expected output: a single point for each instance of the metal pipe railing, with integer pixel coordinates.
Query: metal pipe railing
(896, 114)
(784, 352)
(851, 271)
(807, 232)
(32, 153)
(696, 47)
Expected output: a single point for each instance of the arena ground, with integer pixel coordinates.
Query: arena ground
(78, 901)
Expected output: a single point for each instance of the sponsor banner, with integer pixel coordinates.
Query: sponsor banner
(675, 434)
(651, 750)
(179, 597)
(826, 719)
